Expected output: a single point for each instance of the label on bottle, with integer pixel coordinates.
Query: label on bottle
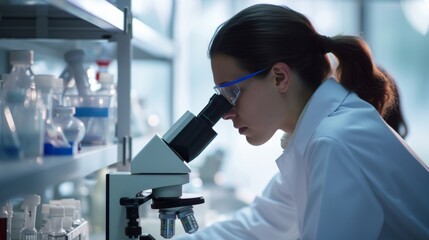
(3, 228)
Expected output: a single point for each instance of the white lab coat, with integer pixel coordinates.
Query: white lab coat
(344, 175)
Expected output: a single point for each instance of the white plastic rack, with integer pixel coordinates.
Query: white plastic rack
(81, 232)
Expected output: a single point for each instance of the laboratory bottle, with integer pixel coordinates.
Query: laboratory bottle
(21, 102)
(107, 84)
(17, 224)
(55, 202)
(55, 142)
(75, 71)
(77, 219)
(103, 66)
(108, 88)
(9, 210)
(29, 232)
(45, 227)
(10, 147)
(72, 127)
(56, 213)
(68, 218)
(57, 92)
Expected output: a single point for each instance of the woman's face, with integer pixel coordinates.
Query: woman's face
(259, 110)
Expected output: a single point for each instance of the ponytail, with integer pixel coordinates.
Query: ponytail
(357, 72)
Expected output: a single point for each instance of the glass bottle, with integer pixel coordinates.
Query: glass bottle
(57, 92)
(22, 110)
(54, 137)
(108, 88)
(72, 127)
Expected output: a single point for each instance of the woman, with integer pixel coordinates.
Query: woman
(344, 174)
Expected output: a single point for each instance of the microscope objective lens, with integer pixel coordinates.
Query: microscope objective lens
(168, 219)
(186, 216)
(189, 223)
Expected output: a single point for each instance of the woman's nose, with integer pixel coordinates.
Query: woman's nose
(230, 114)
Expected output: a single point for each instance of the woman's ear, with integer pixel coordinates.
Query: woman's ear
(282, 74)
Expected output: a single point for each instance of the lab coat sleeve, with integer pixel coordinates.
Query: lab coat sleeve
(270, 216)
(340, 202)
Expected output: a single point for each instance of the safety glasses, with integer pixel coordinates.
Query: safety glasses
(230, 90)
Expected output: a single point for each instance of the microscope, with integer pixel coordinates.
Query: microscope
(158, 172)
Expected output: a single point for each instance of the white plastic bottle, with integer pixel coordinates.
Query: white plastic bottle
(57, 232)
(30, 204)
(77, 219)
(21, 102)
(18, 222)
(45, 227)
(68, 218)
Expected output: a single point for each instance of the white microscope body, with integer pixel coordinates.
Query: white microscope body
(161, 166)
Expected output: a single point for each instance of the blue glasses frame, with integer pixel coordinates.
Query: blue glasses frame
(230, 90)
(248, 76)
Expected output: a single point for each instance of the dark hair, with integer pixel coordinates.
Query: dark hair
(263, 34)
(393, 115)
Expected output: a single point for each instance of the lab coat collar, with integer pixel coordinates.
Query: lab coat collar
(325, 100)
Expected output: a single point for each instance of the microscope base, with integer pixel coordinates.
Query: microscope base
(125, 184)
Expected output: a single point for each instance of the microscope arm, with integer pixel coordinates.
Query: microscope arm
(183, 142)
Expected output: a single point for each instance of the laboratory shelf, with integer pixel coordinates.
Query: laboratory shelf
(52, 27)
(79, 20)
(45, 21)
(32, 176)
(108, 17)
(98, 12)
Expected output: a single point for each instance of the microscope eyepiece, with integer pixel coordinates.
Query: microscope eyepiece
(217, 107)
(198, 132)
